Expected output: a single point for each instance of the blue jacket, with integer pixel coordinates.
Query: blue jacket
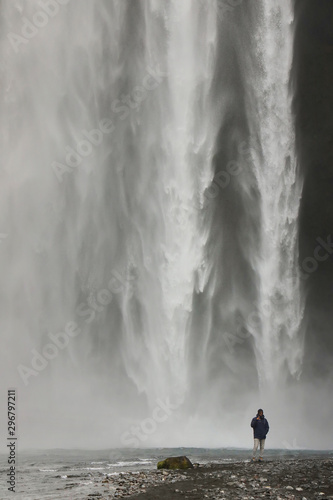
(260, 427)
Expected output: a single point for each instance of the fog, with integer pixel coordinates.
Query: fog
(165, 222)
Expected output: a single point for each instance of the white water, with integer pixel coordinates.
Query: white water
(132, 212)
(277, 326)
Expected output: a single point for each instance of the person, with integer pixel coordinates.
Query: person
(260, 429)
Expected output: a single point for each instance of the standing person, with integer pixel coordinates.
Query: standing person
(260, 430)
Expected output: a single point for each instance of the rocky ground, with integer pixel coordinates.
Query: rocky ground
(303, 479)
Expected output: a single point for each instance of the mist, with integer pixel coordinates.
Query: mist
(166, 218)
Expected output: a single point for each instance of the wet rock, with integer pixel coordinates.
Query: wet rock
(175, 463)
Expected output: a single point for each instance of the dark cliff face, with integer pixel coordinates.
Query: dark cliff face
(313, 104)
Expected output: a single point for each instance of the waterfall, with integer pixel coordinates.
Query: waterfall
(150, 194)
(280, 307)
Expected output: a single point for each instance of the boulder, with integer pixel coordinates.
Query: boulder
(175, 463)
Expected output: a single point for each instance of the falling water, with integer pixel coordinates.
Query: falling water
(119, 116)
(276, 332)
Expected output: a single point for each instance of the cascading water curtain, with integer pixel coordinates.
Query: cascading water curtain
(246, 342)
(149, 199)
(276, 328)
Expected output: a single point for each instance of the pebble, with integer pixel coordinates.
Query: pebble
(240, 480)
